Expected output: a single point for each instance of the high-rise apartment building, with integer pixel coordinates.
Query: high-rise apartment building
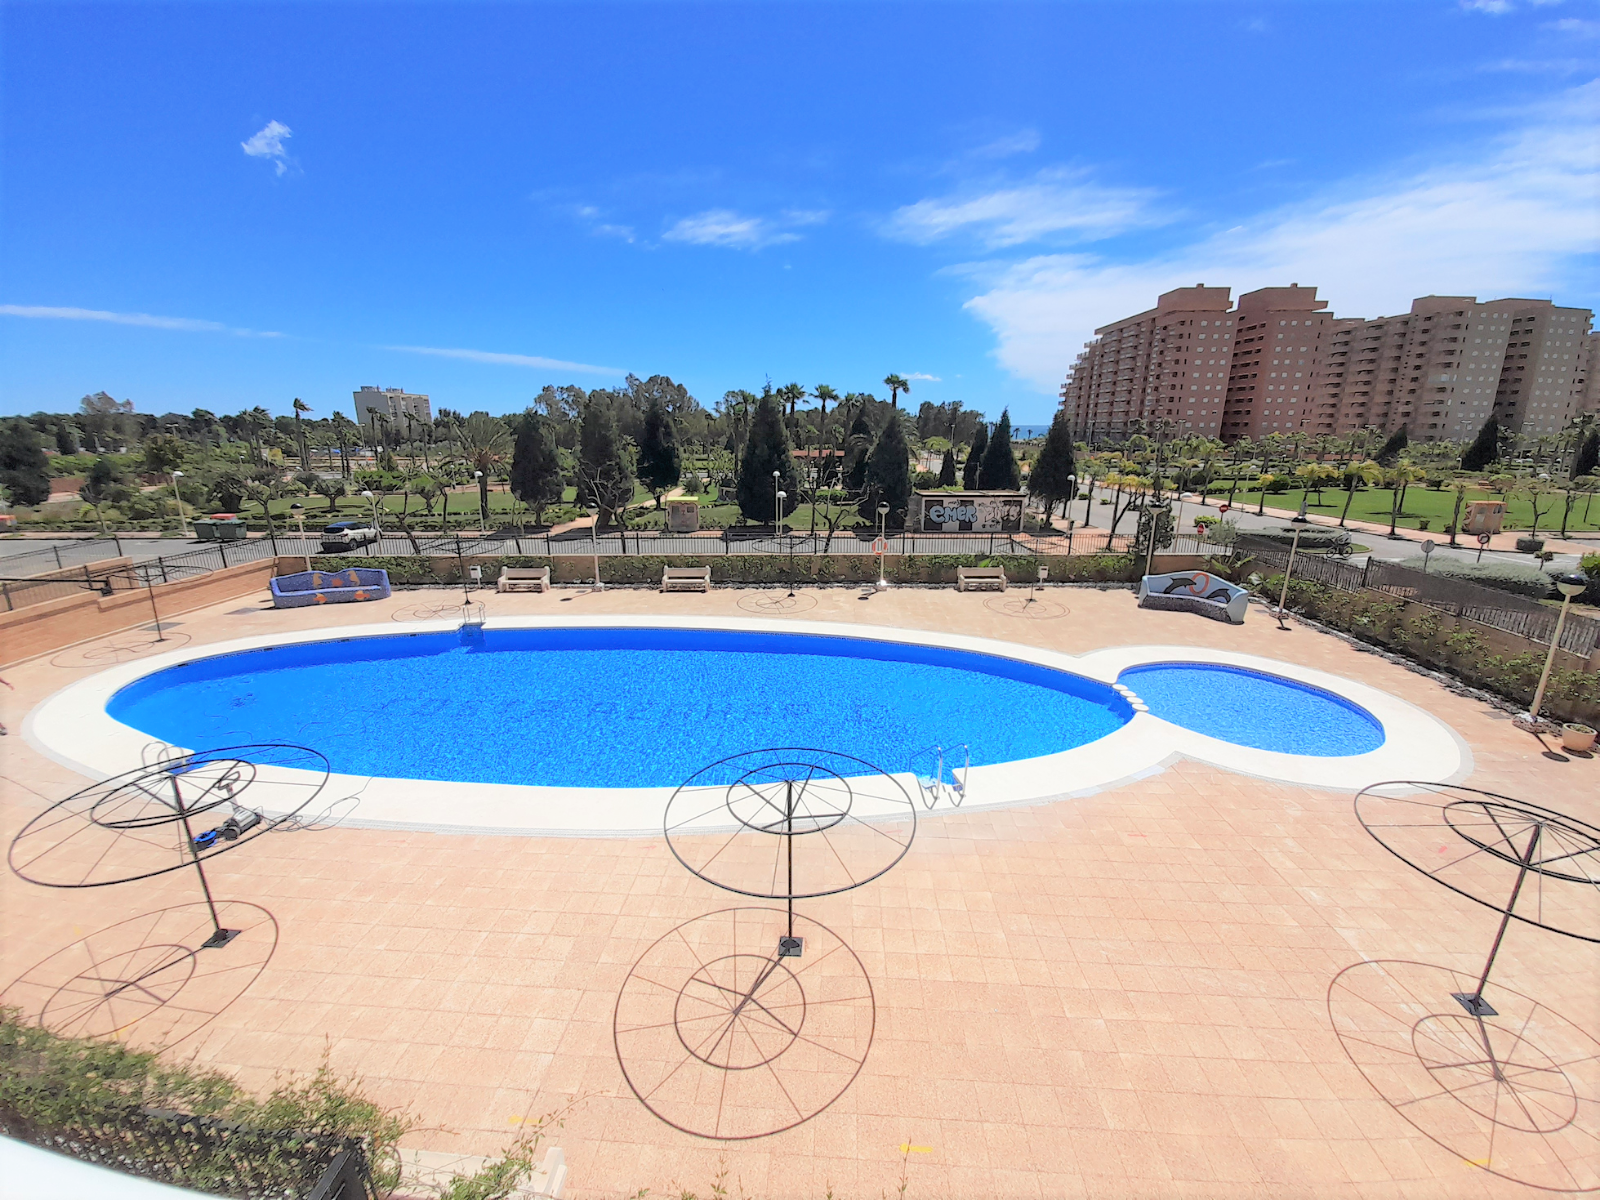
(1171, 361)
(394, 403)
(1278, 363)
(1543, 381)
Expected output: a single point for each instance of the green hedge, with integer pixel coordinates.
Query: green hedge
(1516, 578)
(645, 569)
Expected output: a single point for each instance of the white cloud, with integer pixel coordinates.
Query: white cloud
(915, 375)
(145, 320)
(1058, 203)
(1515, 218)
(724, 227)
(508, 360)
(1024, 141)
(1494, 8)
(1577, 27)
(268, 143)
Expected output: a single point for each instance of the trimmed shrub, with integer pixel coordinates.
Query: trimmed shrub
(1311, 538)
(1515, 578)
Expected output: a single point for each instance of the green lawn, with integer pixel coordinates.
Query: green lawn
(1423, 503)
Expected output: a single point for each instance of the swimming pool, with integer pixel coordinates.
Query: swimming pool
(615, 707)
(1255, 708)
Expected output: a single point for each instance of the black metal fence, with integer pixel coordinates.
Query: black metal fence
(1520, 615)
(208, 1155)
(17, 590)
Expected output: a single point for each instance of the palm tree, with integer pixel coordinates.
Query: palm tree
(1357, 472)
(896, 384)
(343, 427)
(1397, 479)
(486, 442)
(301, 406)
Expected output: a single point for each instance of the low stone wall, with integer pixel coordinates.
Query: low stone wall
(50, 626)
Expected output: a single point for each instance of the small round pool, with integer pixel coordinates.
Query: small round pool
(615, 707)
(1253, 708)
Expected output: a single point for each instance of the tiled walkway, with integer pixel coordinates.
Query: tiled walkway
(1123, 995)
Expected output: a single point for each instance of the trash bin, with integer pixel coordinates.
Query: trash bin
(220, 527)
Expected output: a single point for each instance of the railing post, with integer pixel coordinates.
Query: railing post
(162, 563)
(222, 549)
(56, 550)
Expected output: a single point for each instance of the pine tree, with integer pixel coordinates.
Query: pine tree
(1588, 456)
(1485, 448)
(947, 469)
(605, 475)
(765, 451)
(888, 477)
(535, 466)
(660, 465)
(969, 470)
(24, 470)
(1392, 449)
(1050, 478)
(998, 470)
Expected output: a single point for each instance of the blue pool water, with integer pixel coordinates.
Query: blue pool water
(615, 707)
(1252, 708)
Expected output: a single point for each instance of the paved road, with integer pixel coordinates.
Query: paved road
(1379, 546)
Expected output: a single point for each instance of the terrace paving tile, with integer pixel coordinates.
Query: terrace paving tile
(1120, 995)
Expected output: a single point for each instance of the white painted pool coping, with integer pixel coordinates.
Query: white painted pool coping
(73, 728)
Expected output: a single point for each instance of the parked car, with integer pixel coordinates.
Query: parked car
(343, 536)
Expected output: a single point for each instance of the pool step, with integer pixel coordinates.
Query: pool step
(1127, 693)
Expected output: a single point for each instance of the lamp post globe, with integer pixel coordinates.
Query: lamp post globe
(883, 517)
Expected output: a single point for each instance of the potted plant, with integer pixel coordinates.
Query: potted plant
(1530, 545)
(1577, 738)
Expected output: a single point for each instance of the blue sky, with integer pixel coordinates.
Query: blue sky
(222, 205)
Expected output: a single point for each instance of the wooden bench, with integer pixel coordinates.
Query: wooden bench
(524, 579)
(971, 578)
(685, 579)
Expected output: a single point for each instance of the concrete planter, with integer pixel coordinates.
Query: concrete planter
(1577, 738)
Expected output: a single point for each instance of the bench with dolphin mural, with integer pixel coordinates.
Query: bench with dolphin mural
(1195, 591)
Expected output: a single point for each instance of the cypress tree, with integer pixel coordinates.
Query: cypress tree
(947, 469)
(535, 467)
(605, 476)
(998, 471)
(888, 477)
(1049, 478)
(1588, 456)
(969, 470)
(1485, 448)
(858, 444)
(660, 465)
(24, 470)
(765, 451)
(1390, 454)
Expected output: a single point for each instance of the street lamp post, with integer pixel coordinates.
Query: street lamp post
(1088, 499)
(1569, 586)
(477, 478)
(376, 528)
(883, 518)
(1283, 594)
(299, 511)
(183, 521)
(1072, 491)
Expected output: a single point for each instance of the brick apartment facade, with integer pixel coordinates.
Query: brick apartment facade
(1279, 363)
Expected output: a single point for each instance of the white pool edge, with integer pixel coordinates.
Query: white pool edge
(72, 728)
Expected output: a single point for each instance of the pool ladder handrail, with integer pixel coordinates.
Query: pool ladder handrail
(934, 786)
